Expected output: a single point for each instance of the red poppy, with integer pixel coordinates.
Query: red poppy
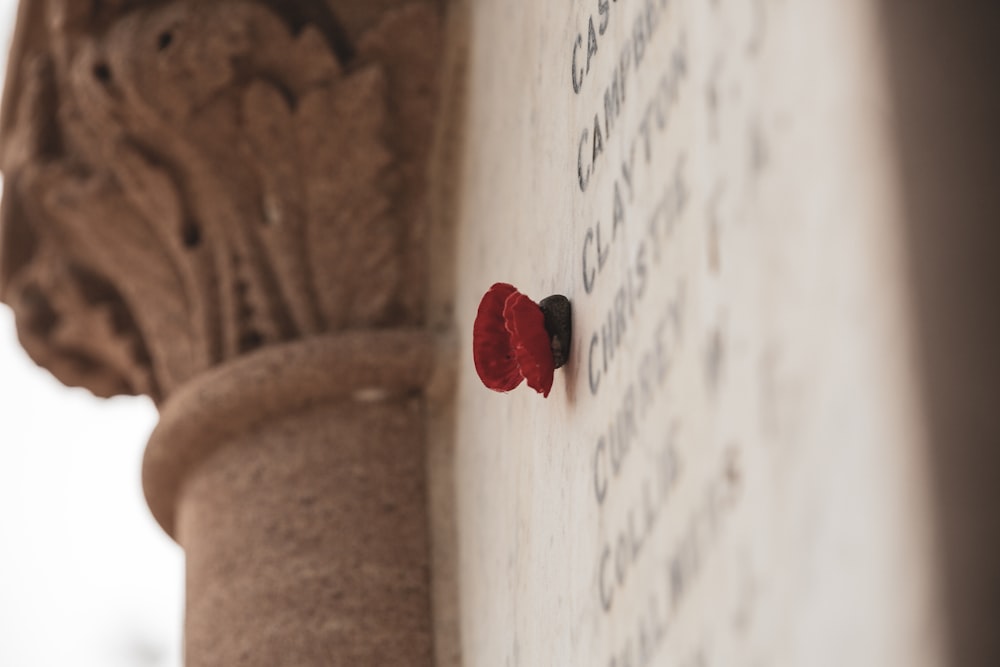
(491, 349)
(532, 348)
(510, 342)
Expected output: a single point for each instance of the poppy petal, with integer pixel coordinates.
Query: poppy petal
(529, 339)
(492, 352)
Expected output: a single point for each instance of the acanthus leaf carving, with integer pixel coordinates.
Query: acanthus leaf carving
(226, 182)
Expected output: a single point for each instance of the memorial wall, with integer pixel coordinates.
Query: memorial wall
(730, 470)
(771, 442)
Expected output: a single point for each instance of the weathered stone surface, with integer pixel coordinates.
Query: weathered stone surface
(301, 503)
(191, 181)
(223, 205)
(730, 470)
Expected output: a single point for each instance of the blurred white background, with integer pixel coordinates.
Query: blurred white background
(87, 578)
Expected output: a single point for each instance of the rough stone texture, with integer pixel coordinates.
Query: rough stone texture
(245, 394)
(303, 510)
(223, 205)
(343, 575)
(191, 181)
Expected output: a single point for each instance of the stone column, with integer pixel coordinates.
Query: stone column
(294, 480)
(222, 205)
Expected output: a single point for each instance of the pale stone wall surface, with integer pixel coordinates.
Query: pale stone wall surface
(246, 211)
(730, 470)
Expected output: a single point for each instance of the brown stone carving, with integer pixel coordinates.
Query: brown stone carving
(222, 205)
(190, 182)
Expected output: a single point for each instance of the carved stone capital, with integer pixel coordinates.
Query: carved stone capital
(186, 182)
(222, 205)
